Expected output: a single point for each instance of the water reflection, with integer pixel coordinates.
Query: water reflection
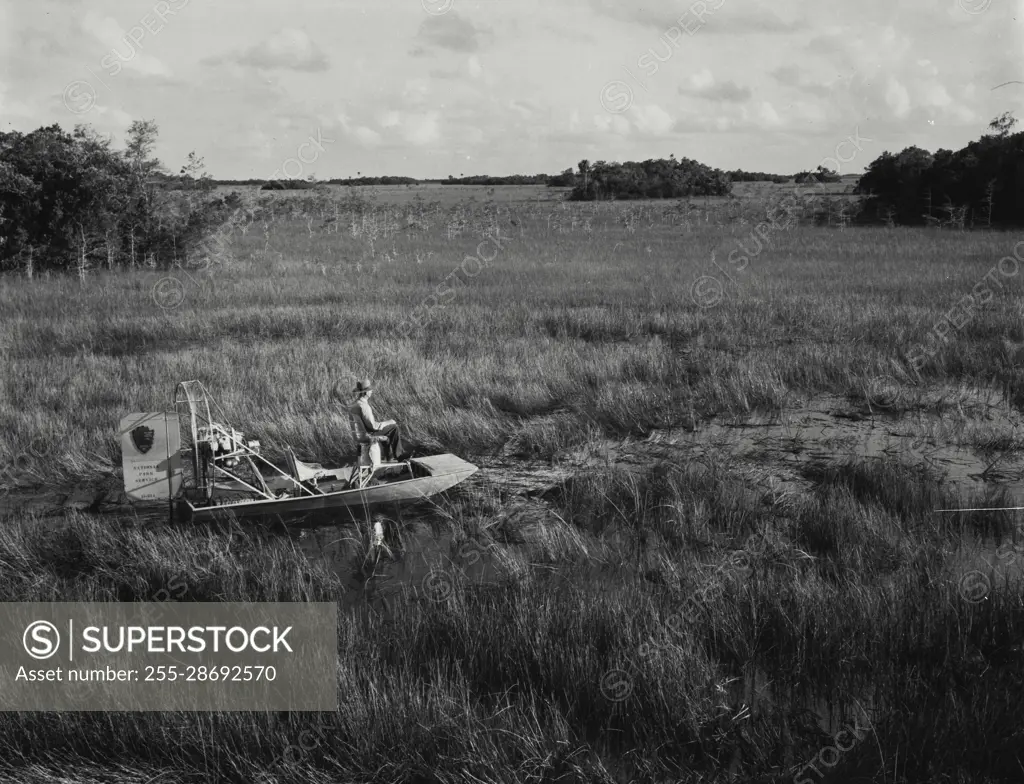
(962, 455)
(412, 553)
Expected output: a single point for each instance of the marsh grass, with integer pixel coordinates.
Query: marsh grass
(680, 578)
(598, 321)
(506, 679)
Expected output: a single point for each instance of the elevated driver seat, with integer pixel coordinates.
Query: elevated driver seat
(369, 461)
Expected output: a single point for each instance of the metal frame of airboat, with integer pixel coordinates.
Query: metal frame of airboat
(197, 407)
(284, 493)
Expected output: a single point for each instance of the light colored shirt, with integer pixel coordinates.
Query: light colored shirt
(362, 418)
(363, 422)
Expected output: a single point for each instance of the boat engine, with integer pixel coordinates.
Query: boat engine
(226, 444)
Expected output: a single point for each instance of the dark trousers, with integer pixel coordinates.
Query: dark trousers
(394, 447)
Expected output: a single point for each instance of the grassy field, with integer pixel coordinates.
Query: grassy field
(565, 325)
(523, 194)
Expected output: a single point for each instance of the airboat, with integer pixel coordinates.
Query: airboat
(208, 470)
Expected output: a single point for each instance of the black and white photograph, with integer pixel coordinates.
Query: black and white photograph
(486, 392)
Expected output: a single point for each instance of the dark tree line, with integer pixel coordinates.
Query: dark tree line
(568, 178)
(738, 175)
(487, 179)
(289, 185)
(820, 175)
(385, 180)
(71, 201)
(979, 185)
(652, 179)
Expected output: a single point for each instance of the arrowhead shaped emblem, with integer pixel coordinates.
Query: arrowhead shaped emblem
(142, 437)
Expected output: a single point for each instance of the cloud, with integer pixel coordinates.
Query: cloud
(806, 113)
(758, 116)
(13, 108)
(702, 80)
(767, 115)
(125, 51)
(890, 74)
(935, 94)
(416, 92)
(416, 128)
(897, 98)
(612, 123)
(365, 136)
(649, 120)
(473, 68)
(749, 21)
(701, 122)
(422, 129)
(703, 85)
(111, 117)
(705, 16)
(390, 119)
(525, 108)
(652, 120)
(289, 49)
(795, 76)
(42, 43)
(361, 134)
(443, 73)
(470, 134)
(647, 14)
(448, 31)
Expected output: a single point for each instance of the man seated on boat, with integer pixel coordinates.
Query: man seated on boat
(366, 425)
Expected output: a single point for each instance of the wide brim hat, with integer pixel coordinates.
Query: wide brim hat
(363, 386)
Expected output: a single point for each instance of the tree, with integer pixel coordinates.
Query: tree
(141, 216)
(70, 201)
(584, 172)
(140, 142)
(821, 174)
(983, 182)
(193, 174)
(824, 174)
(1002, 125)
(664, 178)
(897, 185)
(565, 179)
(61, 195)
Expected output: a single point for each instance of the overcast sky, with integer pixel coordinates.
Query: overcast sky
(428, 88)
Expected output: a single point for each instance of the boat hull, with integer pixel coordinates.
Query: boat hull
(443, 472)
